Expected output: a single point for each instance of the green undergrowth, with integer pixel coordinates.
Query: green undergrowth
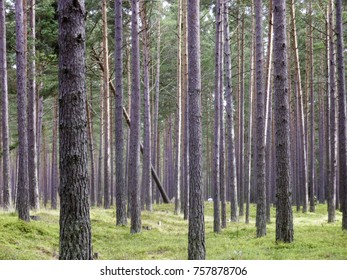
(164, 236)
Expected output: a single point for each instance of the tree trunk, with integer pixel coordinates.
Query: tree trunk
(179, 111)
(23, 179)
(101, 149)
(5, 128)
(196, 228)
(75, 227)
(55, 176)
(107, 150)
(341, 83)
(232, 184)
(121, 196)
(260, 124)
(134, 148)
(92, 189)
(333, 123)
(216, 141)
(284, 216)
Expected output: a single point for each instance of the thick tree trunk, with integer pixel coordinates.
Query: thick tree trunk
(341, 83)
(121, 195)
(23, 179)
(134, 148)
(4, 98)
(284, 216)
(75, 227)
(196, 228)
(260, 125)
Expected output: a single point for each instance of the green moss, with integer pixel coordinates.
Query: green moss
(164, 236)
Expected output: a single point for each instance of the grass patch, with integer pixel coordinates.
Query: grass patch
(164, 236)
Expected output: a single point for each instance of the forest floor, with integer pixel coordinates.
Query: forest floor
(164, 236)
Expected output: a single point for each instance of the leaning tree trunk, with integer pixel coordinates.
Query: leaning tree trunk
(134, 148)
(260, 125)
(284, 216)
(5, 128)
(75, 227)
(23, 181)
(341, 84)
(121, 195)
(196, 228)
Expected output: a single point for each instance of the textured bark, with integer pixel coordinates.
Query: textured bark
(55, 177)
(196, 227)
(4, 118)
(23, 179)
(260, 125)
(107, 150)
(231, 170)
(333, 123)
(134, 148)
(121, 195)
(92, 188)
(341, 84)
(216, 141)
(284, 216)
(75, 227)
(146, 165)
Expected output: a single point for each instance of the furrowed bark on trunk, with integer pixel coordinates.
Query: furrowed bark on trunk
(196, 225)
(260, 123)
(284, 216)
(134, 148)
(341, 83)
(22, 103)
(121, 195)
(75, 227)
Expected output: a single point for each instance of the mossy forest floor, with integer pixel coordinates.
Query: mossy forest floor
(164, 236)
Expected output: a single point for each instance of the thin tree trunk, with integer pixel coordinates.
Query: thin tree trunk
(101, 149)
(341, 83)
(284, 216)
(179, 111)
(107, 162)
(232, 179)
(216, 141)
(260, 124)
(5, 128)
(121, 196)
(23, 179)
(92, 189)
(55, 177)
(333, 123)
(196, 227)
(134, 148)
